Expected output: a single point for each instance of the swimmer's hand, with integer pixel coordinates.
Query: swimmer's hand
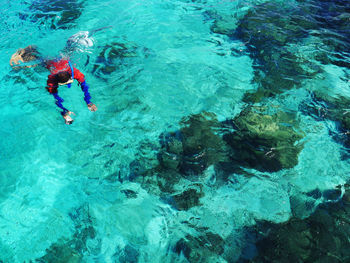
(92, 107)
(67, 118)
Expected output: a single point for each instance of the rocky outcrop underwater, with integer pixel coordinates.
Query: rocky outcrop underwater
(289, 42)
(321, 237)
(43, 12)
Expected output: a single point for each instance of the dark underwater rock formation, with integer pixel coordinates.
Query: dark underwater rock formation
(203, 248)
(61, 253)
(72, 250)
(59, 14)
(195, 146)
(253, 139)
(333, 18)
(267, 30)
(322, 237)
(275, 35)
(188, 198)
(183, 157)
(115, 56)
(323, 106)
(264, 142)
(128, 255)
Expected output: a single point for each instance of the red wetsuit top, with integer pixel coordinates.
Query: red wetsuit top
(56, 66)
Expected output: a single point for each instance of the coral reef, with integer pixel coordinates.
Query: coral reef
(195, 146)
(268, 31)
(204, 248)
(286, 43)
(47, 11)
(324, 106)
(72, 250)
(116, 56)
(264, 142)
(111, 57)
(322, 237)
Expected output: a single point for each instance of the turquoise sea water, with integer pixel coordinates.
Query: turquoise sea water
(91, 191)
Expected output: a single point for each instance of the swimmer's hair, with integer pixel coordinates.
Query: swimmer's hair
(62, 76)
(30, 53)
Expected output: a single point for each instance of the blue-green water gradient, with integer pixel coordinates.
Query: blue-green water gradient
(56, 177)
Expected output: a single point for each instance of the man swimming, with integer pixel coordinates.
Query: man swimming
(62, 73)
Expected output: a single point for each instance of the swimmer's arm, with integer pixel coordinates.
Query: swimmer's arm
(58, 102)
(85, 88)
(87, 97)
(65, 112)
(52, 88)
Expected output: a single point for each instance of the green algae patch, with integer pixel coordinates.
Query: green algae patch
(265, 142)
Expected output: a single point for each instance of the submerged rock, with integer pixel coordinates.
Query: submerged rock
(60, 14)
(286, 43)
(265, 142)
(183, 158)
(128, 255)
(114, 56)
(194, 147)
(188, 198)
(323, 106)
(345, 121)
(61, 253)
(323, 237)
(72, 250)
(333, 17)
(204, 248)
(267, 30)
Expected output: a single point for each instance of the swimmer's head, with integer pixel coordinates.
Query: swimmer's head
(63, 78)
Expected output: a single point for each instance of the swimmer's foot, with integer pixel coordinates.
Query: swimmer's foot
(67, 118)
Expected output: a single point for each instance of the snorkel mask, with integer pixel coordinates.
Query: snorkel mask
(68, 83)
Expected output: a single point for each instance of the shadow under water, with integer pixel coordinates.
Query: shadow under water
(56, 13)
(274, 34)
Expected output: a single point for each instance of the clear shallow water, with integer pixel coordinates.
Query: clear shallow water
(76, 187)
